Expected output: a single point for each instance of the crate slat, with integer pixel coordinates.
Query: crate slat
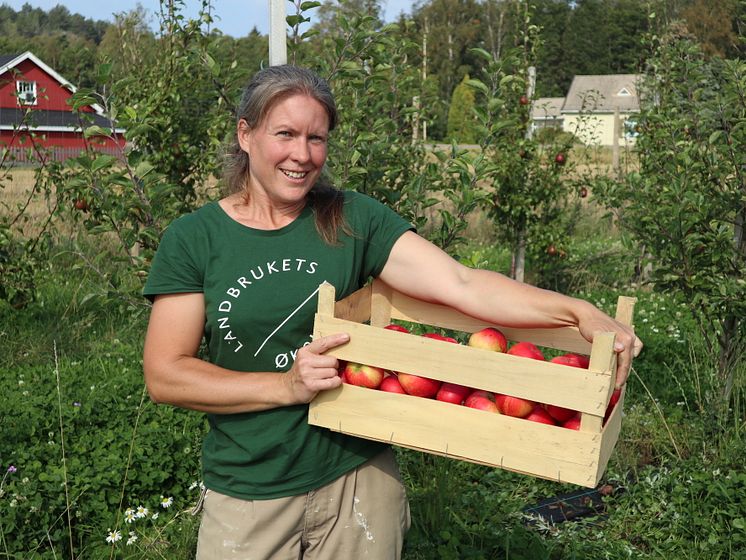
(459, 432)
(545, 382)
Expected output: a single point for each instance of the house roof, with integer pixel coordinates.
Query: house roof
(41, 120)
(547, 108)
(6, 58)
(603, 93)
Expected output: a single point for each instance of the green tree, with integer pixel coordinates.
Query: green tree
(712, 23)
(553, 67)
(687, 204)
(453, 27)
(461, 122)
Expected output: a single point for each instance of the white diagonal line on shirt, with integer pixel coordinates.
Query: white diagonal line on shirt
(266, 340)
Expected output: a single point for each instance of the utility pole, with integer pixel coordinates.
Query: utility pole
(278, 46)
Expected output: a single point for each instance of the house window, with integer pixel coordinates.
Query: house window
(624, 92)
(26, 92)
(630, 129)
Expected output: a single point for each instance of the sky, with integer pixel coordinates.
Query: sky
(233, 17)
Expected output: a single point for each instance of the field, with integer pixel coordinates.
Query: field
(90, 468)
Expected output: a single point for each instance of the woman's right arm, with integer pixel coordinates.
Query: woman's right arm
(175, 375)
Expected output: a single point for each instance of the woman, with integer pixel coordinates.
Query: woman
(243, 273)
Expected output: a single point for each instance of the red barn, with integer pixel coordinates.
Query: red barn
(35, 118)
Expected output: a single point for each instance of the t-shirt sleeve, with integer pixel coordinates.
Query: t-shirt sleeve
(382, 227)
(174, 270)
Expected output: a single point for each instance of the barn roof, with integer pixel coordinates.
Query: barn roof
(11, 61)
(6, 58)
(47, 120)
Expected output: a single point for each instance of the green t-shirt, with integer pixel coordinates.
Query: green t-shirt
(260, 290)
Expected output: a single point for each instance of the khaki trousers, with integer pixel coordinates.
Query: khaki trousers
(364, 514)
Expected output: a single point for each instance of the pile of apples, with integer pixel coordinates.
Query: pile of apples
(491, 339)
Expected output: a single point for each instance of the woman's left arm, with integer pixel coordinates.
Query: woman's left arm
(421, 270)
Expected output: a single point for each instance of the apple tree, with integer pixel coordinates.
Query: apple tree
(529, 192)
(687, 203)
(174, 113)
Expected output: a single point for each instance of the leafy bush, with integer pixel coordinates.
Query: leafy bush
(555, 135)
(86, 447)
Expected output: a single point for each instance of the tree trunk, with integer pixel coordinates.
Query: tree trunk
(518, 264)
(424, 73)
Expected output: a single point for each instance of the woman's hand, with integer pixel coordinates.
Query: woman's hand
(627, 346)
(313, 371)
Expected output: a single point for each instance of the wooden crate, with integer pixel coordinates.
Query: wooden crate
(541, 450)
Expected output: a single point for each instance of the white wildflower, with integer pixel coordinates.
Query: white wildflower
(113, 537)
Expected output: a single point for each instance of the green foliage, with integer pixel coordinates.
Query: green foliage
(461, 123)
(85, 444)
(16, 269)
(686, 205)
(687, 511)
(671, 465)
(554, 135)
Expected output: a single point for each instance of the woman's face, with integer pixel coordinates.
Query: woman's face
(287, 150)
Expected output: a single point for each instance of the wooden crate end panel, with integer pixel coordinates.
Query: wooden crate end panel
(355, 307)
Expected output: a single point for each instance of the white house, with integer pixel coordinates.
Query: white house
(590, 105)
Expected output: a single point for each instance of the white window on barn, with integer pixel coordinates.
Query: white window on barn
(624, 92)
(26, 92)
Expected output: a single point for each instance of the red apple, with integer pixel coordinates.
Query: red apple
(481, 403)
(583, 361)
(363, 375)
(419, 386)
(523, 100)
(81, 204)
(526, 350)
(559, 159)
(573, 423)
(583, 192)
(477, 394)
(551, 250)
(452, 393)
(489, 339)
(612, 403)
(565, 361)
(538, 414)
(438, 336)
(391, 384)
(559, 413)
(615, 397)
(514, 406)
(393, 327)
(574, 360)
